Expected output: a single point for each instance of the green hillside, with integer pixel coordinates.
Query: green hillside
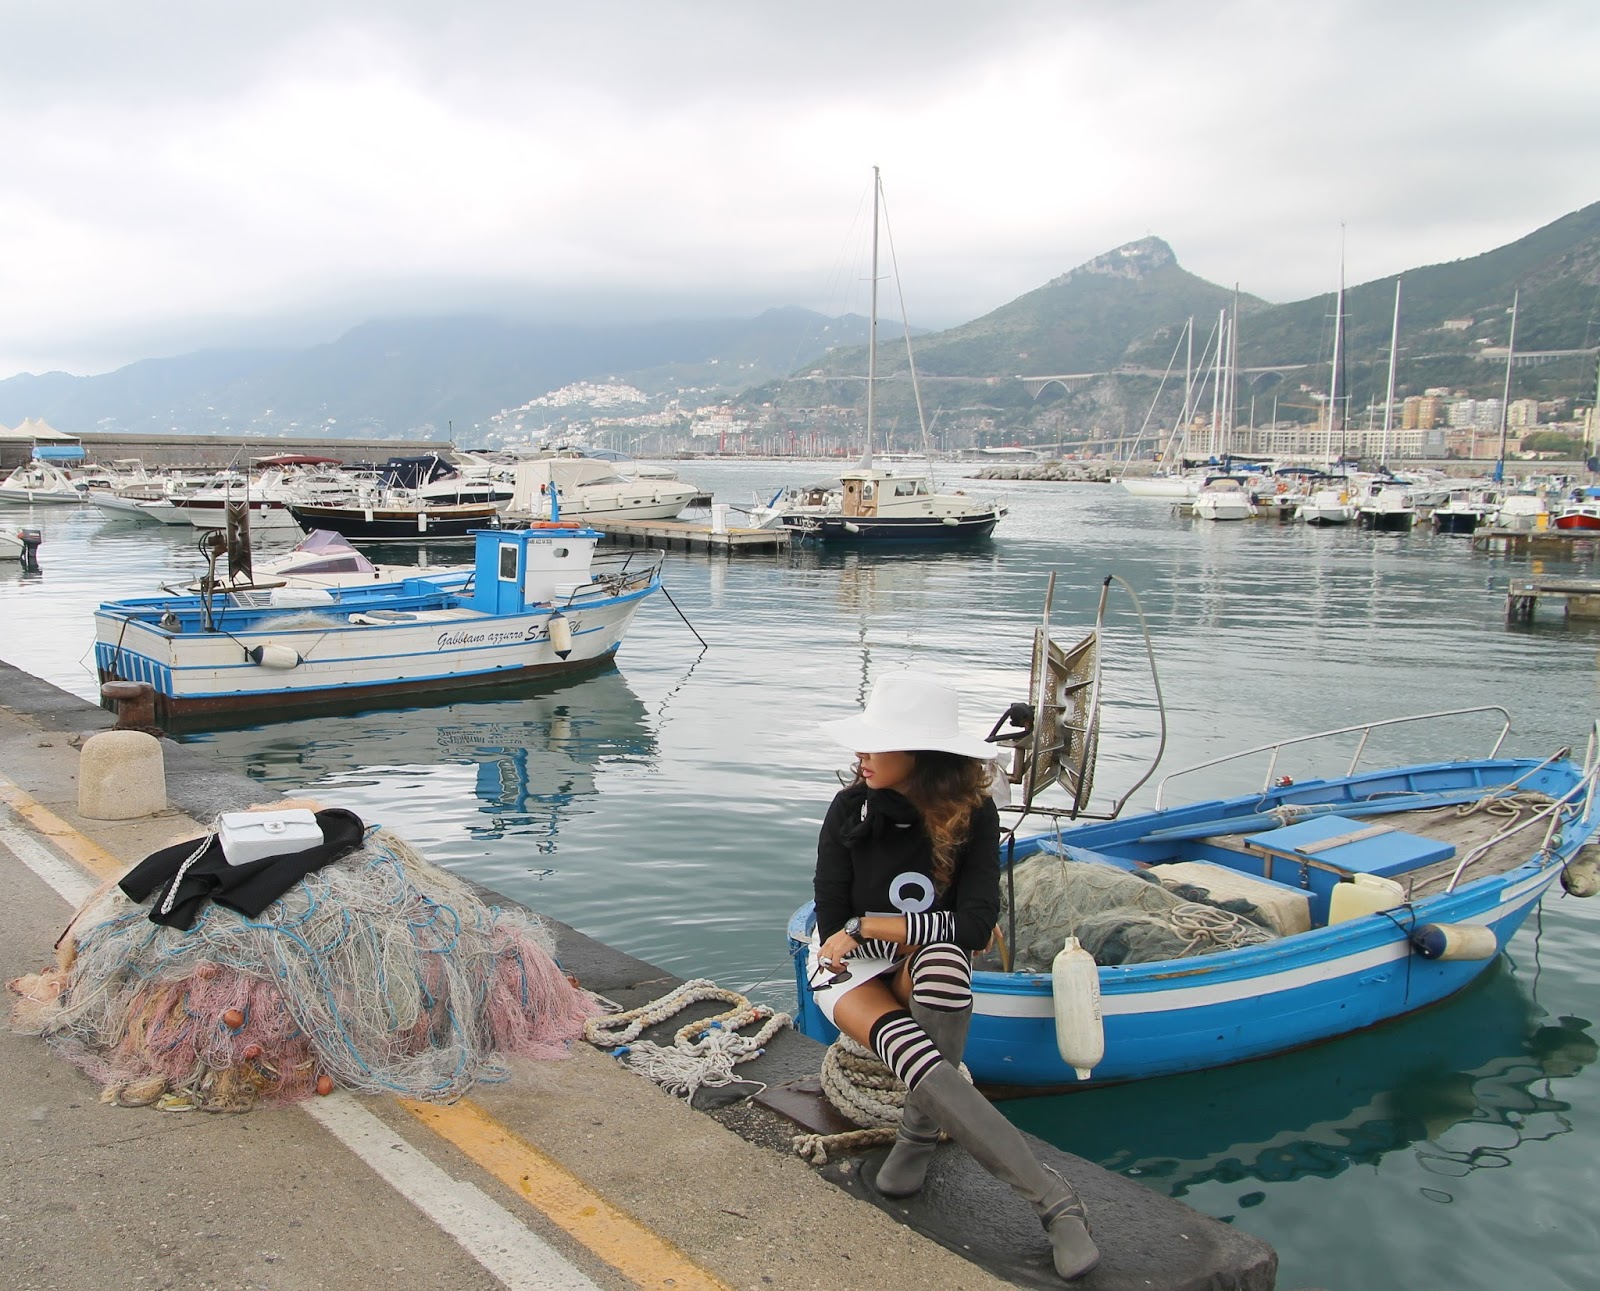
(1114, 321)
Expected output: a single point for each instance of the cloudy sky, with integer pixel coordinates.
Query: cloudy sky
(180, 175)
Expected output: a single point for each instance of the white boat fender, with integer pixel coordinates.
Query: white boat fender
(1455, 941)
(950, 520)
(1075, 987)
(274, 656)
(561, 635)
(850, 527)
(1581, 875)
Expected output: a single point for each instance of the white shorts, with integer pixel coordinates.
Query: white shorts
(829, 986)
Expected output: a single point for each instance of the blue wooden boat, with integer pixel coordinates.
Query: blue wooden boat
(1444, 850)
(538, 602)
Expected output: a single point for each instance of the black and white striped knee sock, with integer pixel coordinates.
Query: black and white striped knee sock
(904, 1047)
(941, 978)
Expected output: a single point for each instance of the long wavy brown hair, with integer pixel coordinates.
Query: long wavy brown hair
(945, 788)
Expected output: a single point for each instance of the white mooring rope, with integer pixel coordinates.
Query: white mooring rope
(702, 1054)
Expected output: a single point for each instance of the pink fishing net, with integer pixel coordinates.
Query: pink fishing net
(379, 973)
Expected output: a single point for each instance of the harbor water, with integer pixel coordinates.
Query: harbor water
(670, 806)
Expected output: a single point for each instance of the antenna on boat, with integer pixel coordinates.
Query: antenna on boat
(1057, 731)
(241, 566)
(1054, 737)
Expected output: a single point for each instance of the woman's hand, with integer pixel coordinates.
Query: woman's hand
(836, 948)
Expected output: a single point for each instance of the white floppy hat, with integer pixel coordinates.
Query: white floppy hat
(908, 712)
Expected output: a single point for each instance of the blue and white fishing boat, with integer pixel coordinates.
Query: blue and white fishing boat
(539, 602)
(1306, 907)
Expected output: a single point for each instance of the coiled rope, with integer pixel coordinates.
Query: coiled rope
(1210, 928)
(703, 1053)
(1511, 804)
(864, 1091)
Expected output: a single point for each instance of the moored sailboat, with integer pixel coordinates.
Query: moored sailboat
(875, 505)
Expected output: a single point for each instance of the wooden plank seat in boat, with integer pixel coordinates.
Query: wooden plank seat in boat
(1287, 910)
(1346, 846)
(1469, 833)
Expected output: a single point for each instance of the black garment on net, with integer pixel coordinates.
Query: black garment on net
(248, 888)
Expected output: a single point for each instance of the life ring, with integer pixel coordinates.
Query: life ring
(548, 524)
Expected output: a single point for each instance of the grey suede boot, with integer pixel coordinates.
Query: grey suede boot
(904, 1169)
(998, 1146)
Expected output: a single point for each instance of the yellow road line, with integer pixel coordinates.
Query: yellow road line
(85, 851)
(635, 1251)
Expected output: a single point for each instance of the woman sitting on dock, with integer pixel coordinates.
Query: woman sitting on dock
(915, 834)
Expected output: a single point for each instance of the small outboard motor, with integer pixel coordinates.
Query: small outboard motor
(31, 538)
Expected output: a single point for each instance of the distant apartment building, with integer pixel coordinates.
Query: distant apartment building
(716, 422)
(1421, 412)
(1523, 412)
(1461, 413)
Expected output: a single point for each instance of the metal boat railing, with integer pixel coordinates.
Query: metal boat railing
(1365, 730)
(612, 573)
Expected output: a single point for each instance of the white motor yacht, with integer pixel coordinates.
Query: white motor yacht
(1223, 498)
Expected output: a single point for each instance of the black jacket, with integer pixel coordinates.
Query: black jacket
(248, 888)
(873, 850)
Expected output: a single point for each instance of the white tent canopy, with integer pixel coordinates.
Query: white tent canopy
(35, 430)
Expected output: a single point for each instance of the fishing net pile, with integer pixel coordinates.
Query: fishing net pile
(379, 973)
(1119, 917)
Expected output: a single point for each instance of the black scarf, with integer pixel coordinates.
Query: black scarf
(248, 888)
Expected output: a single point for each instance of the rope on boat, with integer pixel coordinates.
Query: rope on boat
(1512, 804)
(703, 1053)
(1210, 928)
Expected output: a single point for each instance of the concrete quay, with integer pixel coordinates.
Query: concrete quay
(573, 1174)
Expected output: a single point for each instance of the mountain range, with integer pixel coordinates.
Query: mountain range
(1110, 327)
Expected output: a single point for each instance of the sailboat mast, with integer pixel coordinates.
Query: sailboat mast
(872, 326)
(1333, 379)
(1216, 385)
(1388, 403)
(1231, 398)
(1505, 393)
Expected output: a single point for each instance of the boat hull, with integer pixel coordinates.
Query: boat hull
(1159, 486)
(41, 497)
(844, 530)
(1455, 522)
(1213, 1010)
(212, 513)
(1387, 521)
(1581, 523)
(396, 524)
(435, 647)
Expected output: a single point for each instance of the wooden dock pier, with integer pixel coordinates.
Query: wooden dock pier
(1579, 597)
(690, 535)
(1564, 541)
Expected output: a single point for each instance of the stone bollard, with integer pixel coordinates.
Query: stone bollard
(134, 703)
(121, 776)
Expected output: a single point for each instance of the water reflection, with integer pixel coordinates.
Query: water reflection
(535, 755)
(1464, 1084)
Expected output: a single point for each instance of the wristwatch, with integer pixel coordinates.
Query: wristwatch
(852, 928)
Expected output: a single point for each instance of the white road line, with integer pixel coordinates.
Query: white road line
(67, 879)
(488, 1232)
